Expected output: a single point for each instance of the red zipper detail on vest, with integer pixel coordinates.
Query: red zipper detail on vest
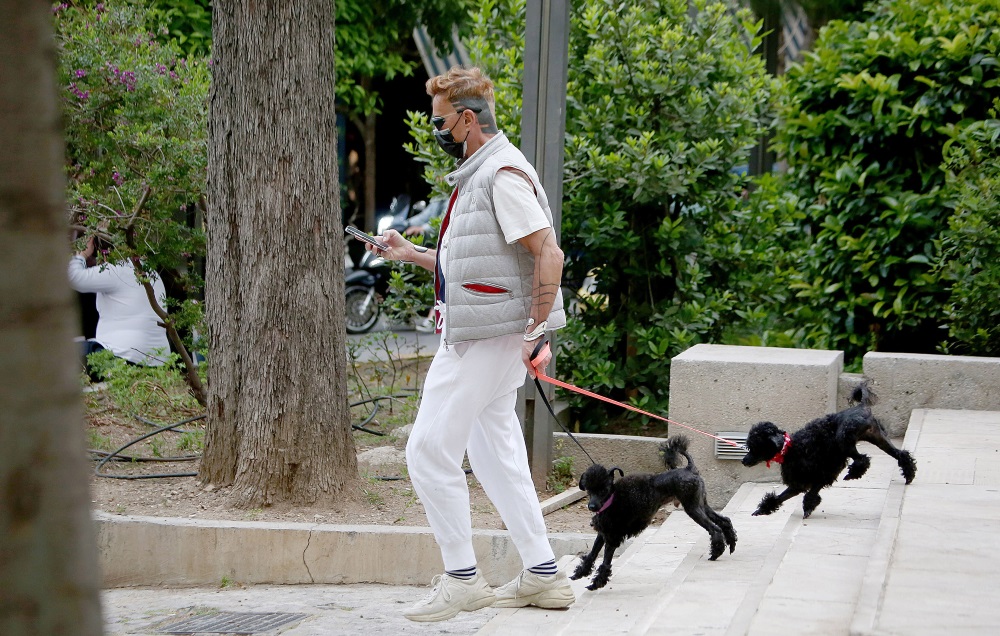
(485, 288)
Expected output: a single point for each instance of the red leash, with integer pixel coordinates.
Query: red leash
(539, 355)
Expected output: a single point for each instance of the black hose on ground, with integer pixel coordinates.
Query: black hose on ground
(97, 470)
(116, 455)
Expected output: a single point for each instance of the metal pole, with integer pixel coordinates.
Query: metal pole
(543, 129)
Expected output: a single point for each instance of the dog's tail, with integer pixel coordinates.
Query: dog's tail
(863, 394)
(673, 449)
(865, 397)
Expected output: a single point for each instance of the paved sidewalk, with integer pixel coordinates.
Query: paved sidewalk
(372, 610)
(402, 342)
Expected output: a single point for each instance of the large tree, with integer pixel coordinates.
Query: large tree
(278, 427)
(48, 556)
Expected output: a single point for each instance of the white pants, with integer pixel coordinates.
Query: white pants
(468, 405)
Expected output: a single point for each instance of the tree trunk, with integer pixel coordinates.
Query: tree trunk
(278, 421)
(48, 554)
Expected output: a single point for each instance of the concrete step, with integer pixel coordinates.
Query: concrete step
(933, 567)
(788, 574)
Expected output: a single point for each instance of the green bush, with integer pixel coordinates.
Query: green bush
(188, 22)
(135, 119)
(972, 243)
(863, 123)
(665, 99)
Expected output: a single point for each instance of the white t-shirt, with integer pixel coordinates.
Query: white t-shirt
(127, 325)
(517, 211)
(517, 206)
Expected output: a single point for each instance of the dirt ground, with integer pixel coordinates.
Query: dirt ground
(385, 496)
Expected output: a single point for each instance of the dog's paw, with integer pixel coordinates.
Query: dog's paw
(718, 547)
(601, 578)
(908, 466)
(582, 570)
(770, 503)
(730, 540)
(858, 468)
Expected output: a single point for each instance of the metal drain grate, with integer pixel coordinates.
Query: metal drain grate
(231, 623)
(728, 451)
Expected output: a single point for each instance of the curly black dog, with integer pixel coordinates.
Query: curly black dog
(813, 457)
(624, 508)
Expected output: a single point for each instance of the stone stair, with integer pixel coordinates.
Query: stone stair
(787, 575)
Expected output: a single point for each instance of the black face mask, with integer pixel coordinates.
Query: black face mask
(447, 142)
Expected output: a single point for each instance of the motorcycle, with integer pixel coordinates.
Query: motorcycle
(366, 285)
(399, 215)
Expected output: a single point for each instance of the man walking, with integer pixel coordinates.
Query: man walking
(497, 281)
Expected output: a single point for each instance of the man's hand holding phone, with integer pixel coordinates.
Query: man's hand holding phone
(361, 236)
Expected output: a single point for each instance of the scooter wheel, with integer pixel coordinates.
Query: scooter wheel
(361, 309)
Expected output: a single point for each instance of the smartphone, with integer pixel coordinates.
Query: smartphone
(358, 234)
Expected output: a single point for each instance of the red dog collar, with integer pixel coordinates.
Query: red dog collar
(780, 457)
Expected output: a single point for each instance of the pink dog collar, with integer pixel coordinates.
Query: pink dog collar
(607, 503)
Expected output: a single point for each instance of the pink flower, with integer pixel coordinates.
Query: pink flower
(80, 73)
(117, 178)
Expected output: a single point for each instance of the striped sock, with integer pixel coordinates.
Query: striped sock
(465, 574)
(544, 569)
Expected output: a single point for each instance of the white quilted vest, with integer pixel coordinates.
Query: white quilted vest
(488, 288)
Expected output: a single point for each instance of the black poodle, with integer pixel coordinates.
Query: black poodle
(813, 457)
(625, 508)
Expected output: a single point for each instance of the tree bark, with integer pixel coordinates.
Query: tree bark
(278, 421)
(48, 554)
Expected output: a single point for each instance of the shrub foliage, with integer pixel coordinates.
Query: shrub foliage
(135, 119)
(863, 124)
(971, 255)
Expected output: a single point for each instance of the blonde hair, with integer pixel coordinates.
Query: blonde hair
(460, 84)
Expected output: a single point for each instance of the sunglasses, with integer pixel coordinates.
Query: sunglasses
(438, 121)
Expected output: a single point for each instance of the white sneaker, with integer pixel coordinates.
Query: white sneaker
(549, 592)
(451, 596)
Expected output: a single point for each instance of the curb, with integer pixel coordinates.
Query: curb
(178, 552)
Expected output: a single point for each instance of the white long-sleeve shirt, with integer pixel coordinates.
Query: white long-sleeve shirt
(127, 325)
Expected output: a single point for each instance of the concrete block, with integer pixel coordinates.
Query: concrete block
(907, 381)
(631, 453)
(563, 499)
(718, 388)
